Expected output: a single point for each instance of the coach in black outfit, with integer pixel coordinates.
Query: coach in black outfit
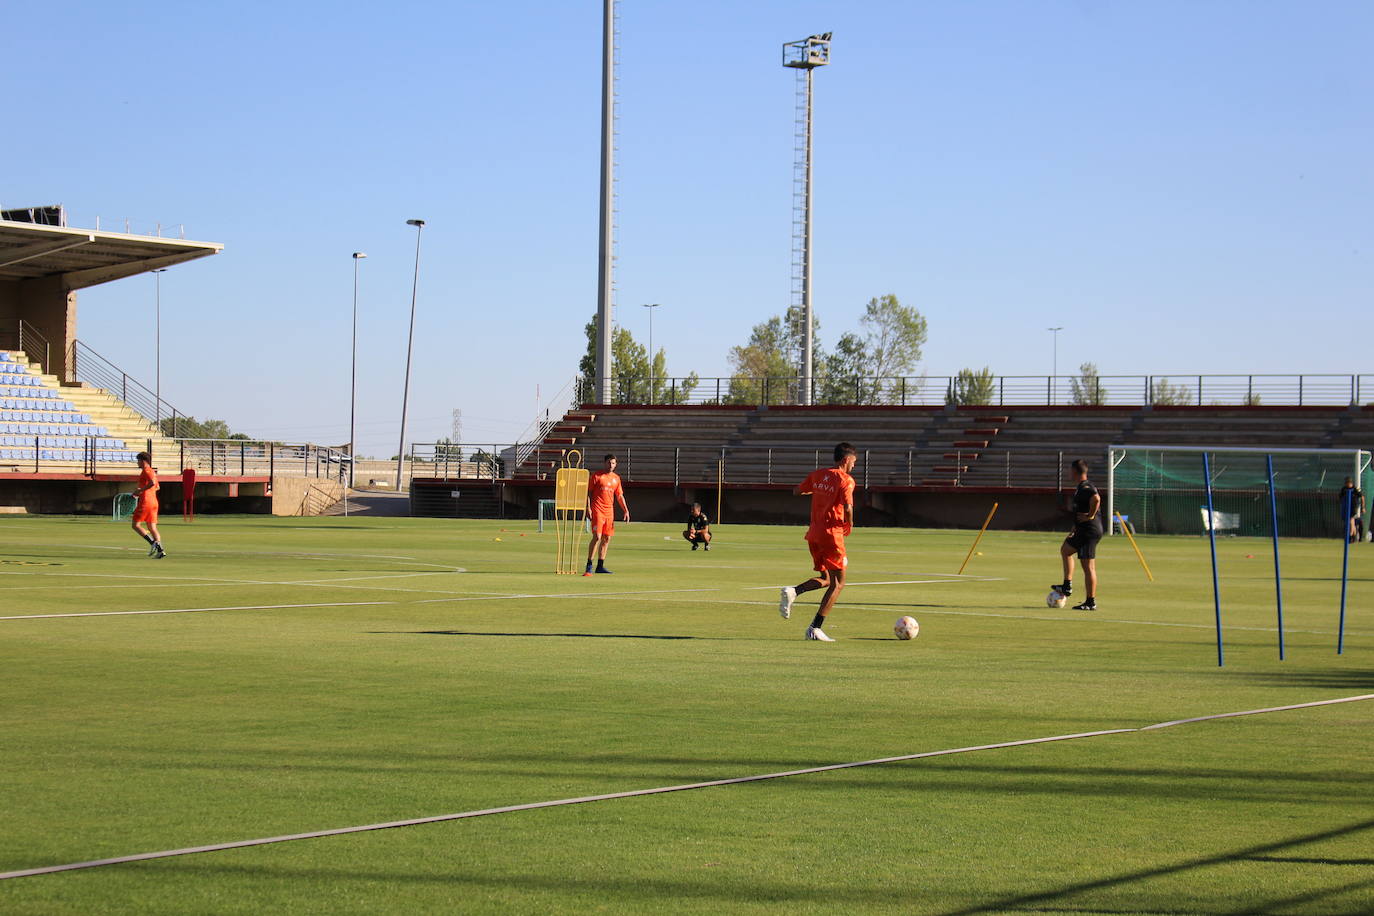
(1087, 531)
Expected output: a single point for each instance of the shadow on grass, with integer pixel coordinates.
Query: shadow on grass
(541, 635)
(1030, 902)
(647, 892)
(1334, 679)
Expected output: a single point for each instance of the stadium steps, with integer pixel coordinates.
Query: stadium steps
(69, 414)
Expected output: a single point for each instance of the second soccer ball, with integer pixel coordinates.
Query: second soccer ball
(1056, 598)
(906, 628)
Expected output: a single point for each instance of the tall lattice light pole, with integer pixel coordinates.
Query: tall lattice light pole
(419, 225)
(605, 281)
(804, 55)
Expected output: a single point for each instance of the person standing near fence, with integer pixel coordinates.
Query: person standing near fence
(145, 513)
(1355, 532)
(1082, 541)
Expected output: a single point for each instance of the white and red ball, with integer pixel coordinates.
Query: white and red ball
(906, 628)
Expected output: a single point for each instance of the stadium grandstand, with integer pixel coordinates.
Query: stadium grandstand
(925, 458)
(71, 421)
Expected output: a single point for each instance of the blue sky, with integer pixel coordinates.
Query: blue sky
(1184, 186)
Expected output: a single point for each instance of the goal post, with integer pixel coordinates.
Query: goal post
(1161, 489)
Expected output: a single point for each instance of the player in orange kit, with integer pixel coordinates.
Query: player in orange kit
(603, 491)
(832, 518)
(145, 513)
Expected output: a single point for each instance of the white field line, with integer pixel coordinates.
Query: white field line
(759, 588)
(263, 553)
(198, 610)
(200, 582)
(638, 793)
(583, 595)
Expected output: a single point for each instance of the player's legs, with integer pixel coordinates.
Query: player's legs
(706, 538)
(1067, 551)
(1087, 552)
(1090, 573)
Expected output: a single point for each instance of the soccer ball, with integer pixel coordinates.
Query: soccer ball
(906, 628)
(1056, 598)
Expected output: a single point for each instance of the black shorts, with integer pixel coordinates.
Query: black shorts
(1084, 540)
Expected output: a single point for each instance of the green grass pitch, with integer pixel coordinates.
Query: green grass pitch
(357, 671)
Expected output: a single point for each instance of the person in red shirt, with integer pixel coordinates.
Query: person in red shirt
(603, 491)
(145, 513)
(832, 518)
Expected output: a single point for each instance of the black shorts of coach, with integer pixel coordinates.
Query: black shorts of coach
(1084, 540)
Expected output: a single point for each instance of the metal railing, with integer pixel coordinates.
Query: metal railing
(86, 365)
(18, 334)
(786, 465)
(258, 458)
(35, 454)
(1273, 390)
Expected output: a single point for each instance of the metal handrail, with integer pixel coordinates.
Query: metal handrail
(26, 338)
(86, 365)
(1220, 390)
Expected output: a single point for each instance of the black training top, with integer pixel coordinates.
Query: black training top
(1083, 502)
(1355, 496)
(697, 522)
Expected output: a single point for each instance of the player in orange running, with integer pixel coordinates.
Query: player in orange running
(146, 510)
(832, 518)
(603, 491)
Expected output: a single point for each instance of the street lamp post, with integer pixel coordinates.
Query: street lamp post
(353, 388)
(651, 306)
(419, 225)
(1054, 379)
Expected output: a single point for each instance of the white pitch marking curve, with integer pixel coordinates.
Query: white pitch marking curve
(531, 806)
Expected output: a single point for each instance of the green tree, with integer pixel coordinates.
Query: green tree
(636, 378)
(894, 335)
(1087, 388)
(971, 389)
(1164, 393)
(865, 366)
(762, 371)
(191, 428)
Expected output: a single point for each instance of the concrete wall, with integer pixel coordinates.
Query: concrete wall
(303, 495)
(50, 309)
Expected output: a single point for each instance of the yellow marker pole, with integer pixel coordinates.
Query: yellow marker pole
(1140, 556)
(986, 522)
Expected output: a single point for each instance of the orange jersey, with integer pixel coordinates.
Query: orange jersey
(603, 489)
(148, 497)
(832, 492)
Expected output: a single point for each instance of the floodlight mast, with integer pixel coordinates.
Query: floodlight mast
(605, 279)
(806, 55)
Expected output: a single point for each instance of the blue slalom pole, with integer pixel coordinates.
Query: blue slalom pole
(1274, 517)
(1212, 537)
(1345, 568)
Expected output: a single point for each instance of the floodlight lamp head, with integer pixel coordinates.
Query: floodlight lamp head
(415, 222)
(358, 254)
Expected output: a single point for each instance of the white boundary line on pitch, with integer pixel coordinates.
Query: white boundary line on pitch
(588, 595)
(759, 588)
(197, 610)
(637, 793)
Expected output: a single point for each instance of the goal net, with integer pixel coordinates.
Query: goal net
(1161, 489)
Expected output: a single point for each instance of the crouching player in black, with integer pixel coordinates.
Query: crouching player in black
(698, 528)
(1082, 542)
